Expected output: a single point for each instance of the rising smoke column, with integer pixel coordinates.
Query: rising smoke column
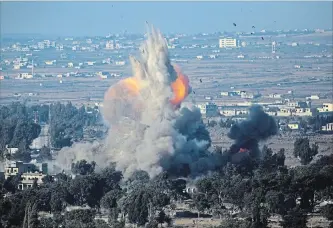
(248, 133)
(156, 134)
(149, 130)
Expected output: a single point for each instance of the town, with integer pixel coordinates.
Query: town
(63, 151)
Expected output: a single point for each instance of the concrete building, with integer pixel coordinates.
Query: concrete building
(302, 112)
(327, 127)
(109, 45)
(120, 63)
(90, 63)
(12, 168)
(227, 43)
(27, 180)
(50, 62)
(314, 97)
(274, 95)
(284, 112)
(327, 107)
(24, 76)
(28, 171)
(228, 112)
(11, 150)
(103, 74)
(247, 95)
(293, 126)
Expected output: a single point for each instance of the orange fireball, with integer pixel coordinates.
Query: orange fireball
(180, 88)
(131, 86)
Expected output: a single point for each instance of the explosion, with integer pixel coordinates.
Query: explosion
(247, 134)
(243, 150)
(180, 88)
(149, 128)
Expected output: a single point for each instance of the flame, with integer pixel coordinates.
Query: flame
(132, 86)
(242, 150)
(180, 88)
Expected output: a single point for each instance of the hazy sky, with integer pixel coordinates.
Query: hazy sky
(101, 18)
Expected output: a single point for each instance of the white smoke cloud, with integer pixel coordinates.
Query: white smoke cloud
(146, 131)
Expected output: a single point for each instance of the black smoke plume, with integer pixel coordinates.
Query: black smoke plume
(248, 133)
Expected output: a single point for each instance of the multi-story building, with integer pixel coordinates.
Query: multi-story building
(302, 112)
(27, 180)
(227, 43)
(12, 168)
(327, 107)
(28, 171)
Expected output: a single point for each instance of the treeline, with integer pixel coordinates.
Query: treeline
(256, 188)
(18, 129)
(139, 199)
(267, 187)
(67, 123)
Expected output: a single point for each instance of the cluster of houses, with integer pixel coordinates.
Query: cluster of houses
(32, 172)
(288, 109)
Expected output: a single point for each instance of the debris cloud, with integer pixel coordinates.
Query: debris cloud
(150, 130)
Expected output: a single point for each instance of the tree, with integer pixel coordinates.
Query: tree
(31, 216)
(294, 219)
(86, 190)
(47, 179)
(82, 167)
(162, 218)
(43, 199)
(235, 223)
(303, 150)
(99, 223)
(275, 200)
(80, 218)
(327, 211)
(11, 183)
(110, 202)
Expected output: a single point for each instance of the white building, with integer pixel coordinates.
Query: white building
(11, 150)
(327, 107)
(227, 43)
(24, 76)
(302, 112)
(327, 127)
(109, 45)
(120, 63)
(27, 180)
